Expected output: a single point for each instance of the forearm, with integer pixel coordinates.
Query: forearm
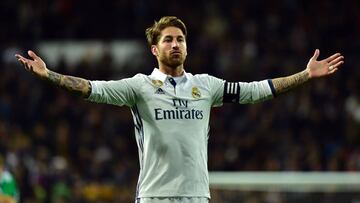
(284, 84)
(75, 85)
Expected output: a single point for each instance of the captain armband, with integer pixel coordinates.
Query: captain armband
(231, 92)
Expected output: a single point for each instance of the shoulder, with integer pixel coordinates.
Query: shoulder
(204, 76)
(207, 79)
(135, 81)
(140, 75)
(200, 77)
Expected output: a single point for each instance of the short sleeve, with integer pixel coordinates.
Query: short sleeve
(116, 92)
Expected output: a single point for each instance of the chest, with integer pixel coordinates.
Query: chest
(181, 96)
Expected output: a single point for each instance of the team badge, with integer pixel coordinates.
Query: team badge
(196, 93)
(157, 83)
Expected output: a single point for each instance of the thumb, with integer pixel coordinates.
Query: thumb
(33, 55)
(316, 54)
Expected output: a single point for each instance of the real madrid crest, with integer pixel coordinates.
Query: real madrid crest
(157, 83)
(196, 93)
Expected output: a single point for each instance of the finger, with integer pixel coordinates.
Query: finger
(316, 54)
(338, 64)
(332, 71)
(336, 60)
(33, 55)
(27, 66)
(332, 57)
(22, 60)
(25, 63)
(18, 56)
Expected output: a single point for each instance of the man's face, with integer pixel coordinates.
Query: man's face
(171, 48)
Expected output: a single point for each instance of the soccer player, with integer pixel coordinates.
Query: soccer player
(8, 187)
(171, 110)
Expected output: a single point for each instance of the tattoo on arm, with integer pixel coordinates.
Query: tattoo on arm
(75, 85)
(54, 77)
(284, 84)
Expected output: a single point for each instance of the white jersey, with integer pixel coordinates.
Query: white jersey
(171, 117)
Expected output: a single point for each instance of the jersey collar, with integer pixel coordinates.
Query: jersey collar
(158, 75)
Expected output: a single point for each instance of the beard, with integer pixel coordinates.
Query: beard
(173, 61)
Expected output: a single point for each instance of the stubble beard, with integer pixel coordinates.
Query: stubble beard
(173, 63)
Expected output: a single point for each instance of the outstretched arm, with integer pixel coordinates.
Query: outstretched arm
(37, 66)
(314, 69)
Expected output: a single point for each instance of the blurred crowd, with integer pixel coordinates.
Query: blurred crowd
(64, 149)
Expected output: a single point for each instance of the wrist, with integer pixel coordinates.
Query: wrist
(46, 75)
(307, 74)
(52, 76)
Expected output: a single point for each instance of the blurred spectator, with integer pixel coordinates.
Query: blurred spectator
(9, 192)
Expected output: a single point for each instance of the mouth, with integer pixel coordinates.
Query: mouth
(175, 53)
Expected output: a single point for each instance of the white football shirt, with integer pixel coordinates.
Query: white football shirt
(171, 117)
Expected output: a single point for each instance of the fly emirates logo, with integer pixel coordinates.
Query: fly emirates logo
(180, 111)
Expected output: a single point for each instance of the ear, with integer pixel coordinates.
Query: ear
(154, 50)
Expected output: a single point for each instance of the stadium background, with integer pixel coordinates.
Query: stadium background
(64, 149)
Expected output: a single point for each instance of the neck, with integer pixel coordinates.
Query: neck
(174, 72)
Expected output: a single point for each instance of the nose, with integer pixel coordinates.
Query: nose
(175, 44)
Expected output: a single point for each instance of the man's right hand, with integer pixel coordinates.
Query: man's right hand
(75, 85)
(35, 65)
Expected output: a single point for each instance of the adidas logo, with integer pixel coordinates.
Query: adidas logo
(159, 91)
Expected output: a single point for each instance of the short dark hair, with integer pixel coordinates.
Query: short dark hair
(153, 33)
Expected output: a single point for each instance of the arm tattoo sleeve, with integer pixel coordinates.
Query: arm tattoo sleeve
(75, 85)
(284, 84)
